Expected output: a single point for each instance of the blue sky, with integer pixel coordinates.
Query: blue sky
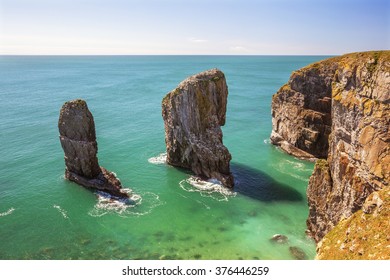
(263, 27)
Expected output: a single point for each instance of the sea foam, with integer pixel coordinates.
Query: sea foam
(211, 188)
(136, 205)
(267, 141)
(62, 211)
(8, 212)
(160, 159)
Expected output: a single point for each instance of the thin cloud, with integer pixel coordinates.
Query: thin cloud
(238, 49)
(197, 40)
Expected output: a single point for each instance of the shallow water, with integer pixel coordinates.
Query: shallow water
(43, 216)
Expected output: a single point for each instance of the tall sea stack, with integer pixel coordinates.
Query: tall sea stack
(78, 140)
(193, 114)
(339, 110)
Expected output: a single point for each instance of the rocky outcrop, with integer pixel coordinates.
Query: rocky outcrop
(301, 111)
(349, 127)
(363, 236)
(193, 114)
(78, 140)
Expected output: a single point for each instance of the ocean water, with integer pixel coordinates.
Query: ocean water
(43, 216)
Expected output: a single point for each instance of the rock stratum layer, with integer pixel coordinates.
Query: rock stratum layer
(193, 114)
(301, 111)
(338, 109)
(78, 140)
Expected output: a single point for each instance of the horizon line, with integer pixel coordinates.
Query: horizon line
(170, 54)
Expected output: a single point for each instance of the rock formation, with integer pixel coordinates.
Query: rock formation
(338, 109)
(279, 238)
(301, 111)
(363, 236)
(193, 114)
(78, 140)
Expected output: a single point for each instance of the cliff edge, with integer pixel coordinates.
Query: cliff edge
(338, 110)
(193, 114)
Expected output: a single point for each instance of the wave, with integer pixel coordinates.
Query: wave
(137, 205)
(62, 211)
(160, 159)
(211, 188)
(8, 212)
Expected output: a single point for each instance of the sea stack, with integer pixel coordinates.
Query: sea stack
(193, 114)
(339, 110)
(78, 140)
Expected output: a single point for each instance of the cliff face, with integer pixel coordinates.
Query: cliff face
(358, 161)
(301, 111)
(193, 114)
(351, 131)
(78, 140)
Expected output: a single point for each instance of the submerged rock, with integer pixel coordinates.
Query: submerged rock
(279, 238)
(297, 253)
(193, 114)
(78, 140)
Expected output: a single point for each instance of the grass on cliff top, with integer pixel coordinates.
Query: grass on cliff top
(360, 237)
(350, 58)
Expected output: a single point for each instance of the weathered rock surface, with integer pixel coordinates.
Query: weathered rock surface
(363, 236)
(358, 160)
(338, 109)
(193, 114)
(301, 111)
(78, 140)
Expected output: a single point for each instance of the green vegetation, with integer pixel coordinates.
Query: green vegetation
(372, 66)
(360, 237)
(322, 164)
(216, 78)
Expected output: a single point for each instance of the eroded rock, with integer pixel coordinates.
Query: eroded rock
(78, 140)
(193, 114)
(358, 161)
(338, 109)
(301, 111)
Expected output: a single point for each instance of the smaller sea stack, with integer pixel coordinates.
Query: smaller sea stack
(193, 114)
(78, 140)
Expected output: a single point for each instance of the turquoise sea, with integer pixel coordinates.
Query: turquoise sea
(43, 216)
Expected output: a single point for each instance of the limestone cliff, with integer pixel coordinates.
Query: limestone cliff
(193, 114)
(338, 109)
(78, 140)
(363, 236)
(301, 111)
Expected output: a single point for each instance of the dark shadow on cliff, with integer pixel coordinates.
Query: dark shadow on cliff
(258, 185)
